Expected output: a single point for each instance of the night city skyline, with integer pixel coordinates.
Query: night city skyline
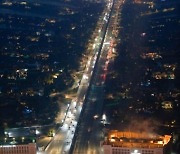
(89, 77)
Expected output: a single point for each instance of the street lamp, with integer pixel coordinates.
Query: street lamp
(22, 139)
(103, 118)
(14, 139)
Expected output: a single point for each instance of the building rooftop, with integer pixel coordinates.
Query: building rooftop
(135, 140)
(16, 141)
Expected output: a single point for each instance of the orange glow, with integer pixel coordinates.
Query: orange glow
(166, 139)
(135, 139)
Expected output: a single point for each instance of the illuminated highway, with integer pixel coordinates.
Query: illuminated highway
(64, 139)
(90, 131)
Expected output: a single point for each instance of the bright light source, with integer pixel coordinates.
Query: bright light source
(37, 132)
(112, 140)
(135, 152)
(85, 76)
(103, 117)
(55, 76)
(96, 116)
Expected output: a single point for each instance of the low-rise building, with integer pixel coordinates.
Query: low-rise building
(18, 149)
(134, 143)
(18, 145)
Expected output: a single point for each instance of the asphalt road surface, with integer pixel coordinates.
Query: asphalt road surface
(90, 131)
(64, 138)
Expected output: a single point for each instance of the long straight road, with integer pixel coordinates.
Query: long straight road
(63, 140)
(90, 131)
(90, 134)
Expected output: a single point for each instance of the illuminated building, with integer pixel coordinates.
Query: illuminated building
(18, 149)
(134, 143)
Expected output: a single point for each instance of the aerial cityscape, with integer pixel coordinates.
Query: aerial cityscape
(89, 77)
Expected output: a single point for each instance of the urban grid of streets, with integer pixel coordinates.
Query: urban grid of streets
(75, 134)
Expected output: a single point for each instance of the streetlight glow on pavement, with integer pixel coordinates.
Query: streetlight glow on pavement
(63, 140)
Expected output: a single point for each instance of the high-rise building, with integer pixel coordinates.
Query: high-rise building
(134, 143)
